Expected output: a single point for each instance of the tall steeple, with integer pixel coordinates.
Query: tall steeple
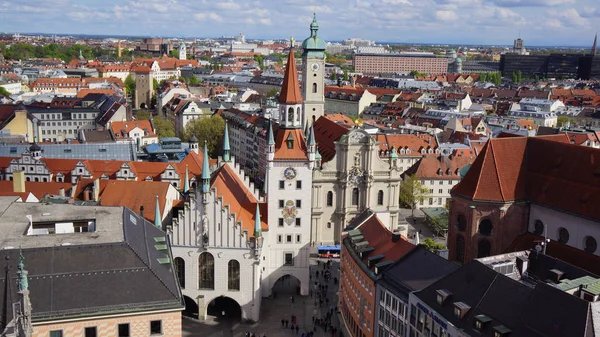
(186, 183)
(157, 217)
(257, 223)
(270, 143)
(313, 74)
(595, 45)
(22, 317)
(205, 171)
(226, 147)
(290, 99)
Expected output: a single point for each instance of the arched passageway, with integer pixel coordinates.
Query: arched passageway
(286, 285)
(224, 309)
(191, 307)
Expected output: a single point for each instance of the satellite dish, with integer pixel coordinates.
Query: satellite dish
(538, 248)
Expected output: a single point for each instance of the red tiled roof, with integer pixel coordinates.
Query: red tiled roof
(439, 167)
(240, 200)
(290, 89)
(38, 189)
(327, 132)
(133, 194)
(127, 126)
(298, 151)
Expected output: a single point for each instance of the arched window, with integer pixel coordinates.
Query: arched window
(314, 88)
(329, 198)
(460, 249)
(180, 271)
(355, 196)
(206, 266)
(461, 221)
(563, 235)
(484, 248)
(380, 198)
(538, 228)
(290, 117)
(590, 245)
(233, 275)
(298, 114)
(485, 227)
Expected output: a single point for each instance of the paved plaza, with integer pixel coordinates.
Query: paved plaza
(273, 310)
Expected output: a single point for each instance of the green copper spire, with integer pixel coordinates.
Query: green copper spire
(157, 218)
(317, 154)
(257, 223)
(22, 282)
(205, 171)
(270, 137)
(311, 136)
(186, 183)
(226, 148)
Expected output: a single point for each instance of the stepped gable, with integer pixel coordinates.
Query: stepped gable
(237, 195)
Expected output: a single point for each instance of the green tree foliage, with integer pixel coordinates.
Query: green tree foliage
(337, 60)
(209, 129)
(495, 78)
(431, 246)
(163, 127)
(334, 76)
(154, 84)
(483, 77)
(129, 85)
(272, 92)
(4, 92)
(175, 53)
(259, 59)
(193, 80)
(20, 51)
(561, 121)
(345, 75)
(417, 74)
(143, 114)
(412, 192)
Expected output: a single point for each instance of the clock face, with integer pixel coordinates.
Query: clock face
(289, 173)
(315, 67)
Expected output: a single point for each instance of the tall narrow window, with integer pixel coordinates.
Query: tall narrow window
(314, 88)
(329, 198)
(180, 271)
(206, 264)
(233, 275)
(290, 117)
(380, 198)
(355, 196)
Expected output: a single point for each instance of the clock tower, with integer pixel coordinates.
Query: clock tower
(313, 70)
(290, 162)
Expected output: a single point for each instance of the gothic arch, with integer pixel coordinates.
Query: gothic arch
(206, 271)
(485, 227)
(179, 265)
(290, 115)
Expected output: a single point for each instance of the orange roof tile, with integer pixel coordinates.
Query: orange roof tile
(38, 189)
(127, 126)
(133, 194)
(298, 150)
(290, 89)
(240, 200)
(328, 130)
(440, 167)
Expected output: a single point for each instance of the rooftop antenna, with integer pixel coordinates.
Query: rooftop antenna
(519, 33)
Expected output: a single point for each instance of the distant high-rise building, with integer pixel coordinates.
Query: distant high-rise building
(518, 47)
(182, 51)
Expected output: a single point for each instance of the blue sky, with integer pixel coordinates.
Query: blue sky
(541, 22)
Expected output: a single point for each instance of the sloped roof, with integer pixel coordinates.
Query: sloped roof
(297, 152)
(38, 189)
(133, 194)
(439, 167)
(239, 198)
(327, 132)
(290, 90)
(123, 128)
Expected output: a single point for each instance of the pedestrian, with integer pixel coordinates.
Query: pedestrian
(297, 328)
(286, 323)
(282, 322)
(292, 298)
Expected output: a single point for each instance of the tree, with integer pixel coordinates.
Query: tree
(163, 127)
(412, 192)
(514, 77)
(129, 85)
(4, 92)
(154, 84)
(142, 114)
(209, 129)
(519, 76)
(562, 121)
(483, 77)
(345, 75)
(175, 53)
(272, 92)
(259, 59)
(431, 246)
(193, 80)
(334, 76)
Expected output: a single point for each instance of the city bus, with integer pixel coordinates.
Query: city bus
(329, 251)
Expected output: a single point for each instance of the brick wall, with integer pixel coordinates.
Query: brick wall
(139, 326)
(507, 225)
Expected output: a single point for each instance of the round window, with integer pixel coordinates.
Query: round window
(538, 227)
(563, 235)
(590, 245)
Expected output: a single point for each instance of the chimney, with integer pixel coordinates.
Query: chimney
(96, 189)
(19, 182)
(86, 195)
(395, 237)
(61, 191)
(142, 211)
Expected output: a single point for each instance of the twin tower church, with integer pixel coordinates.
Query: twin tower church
(235, 241)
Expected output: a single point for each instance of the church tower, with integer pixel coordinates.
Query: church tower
(313, 70)
(182, 51)
(289, 190)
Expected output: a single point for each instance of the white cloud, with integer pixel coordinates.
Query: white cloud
(445, 15)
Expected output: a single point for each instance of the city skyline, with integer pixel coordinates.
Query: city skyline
(495, 22)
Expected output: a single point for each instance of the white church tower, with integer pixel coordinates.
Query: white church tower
(289, 187)
(182, 51)
(313, 70)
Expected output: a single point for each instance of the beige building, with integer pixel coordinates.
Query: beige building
(351, 102)
(399, 63)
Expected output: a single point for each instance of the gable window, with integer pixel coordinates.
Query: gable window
(288, 259)
(56, 333)
(156, 327)
(297, 222)
(380, 198)
(280, 203)
(288, 238)
(329, 198)
(290, 141)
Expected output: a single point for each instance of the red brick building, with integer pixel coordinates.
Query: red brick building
(367, 249)
(538, 185)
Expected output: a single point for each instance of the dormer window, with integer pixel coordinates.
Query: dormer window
(290, 141)
(501, 331)
(481, 322)
(460, 309)
(442, 296)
